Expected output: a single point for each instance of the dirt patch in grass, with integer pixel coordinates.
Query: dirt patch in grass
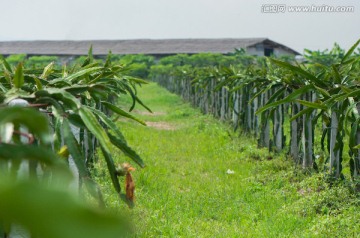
(161, 125)
(146, 113)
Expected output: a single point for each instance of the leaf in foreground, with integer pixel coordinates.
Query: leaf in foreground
(50, 212)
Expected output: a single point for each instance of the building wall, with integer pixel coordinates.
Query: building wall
(281, 51)
(255, 51)
(258, 50)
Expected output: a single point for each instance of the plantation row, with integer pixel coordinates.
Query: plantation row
(311, 109)
(140, 64)
(51, 117)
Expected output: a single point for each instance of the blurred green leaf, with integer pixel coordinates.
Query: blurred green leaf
(33, 120)
(18, 80)
(50, 212)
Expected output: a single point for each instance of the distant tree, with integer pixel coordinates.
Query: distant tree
(41, 61)
(138, 65)
(15, 59)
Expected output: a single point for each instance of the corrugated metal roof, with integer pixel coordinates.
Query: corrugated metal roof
(141, 46)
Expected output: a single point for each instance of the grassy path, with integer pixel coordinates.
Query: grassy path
(201, 179)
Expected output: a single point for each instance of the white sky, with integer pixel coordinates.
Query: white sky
(156, 19)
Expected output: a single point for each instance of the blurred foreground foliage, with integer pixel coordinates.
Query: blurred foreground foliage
(53, 118)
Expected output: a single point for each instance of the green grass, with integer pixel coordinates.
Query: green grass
(185, 190)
